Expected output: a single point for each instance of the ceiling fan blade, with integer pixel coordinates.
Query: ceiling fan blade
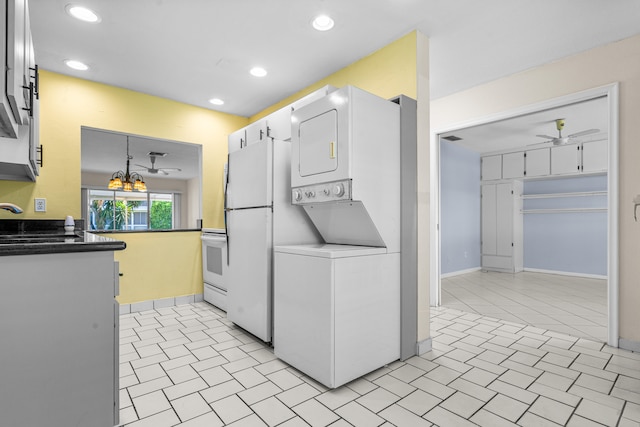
(162, 171)
(142, 166)
(171, 169)
(540, 143)
(584, 132)
(547, 137)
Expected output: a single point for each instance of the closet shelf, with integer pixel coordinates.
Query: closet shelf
(562, 210)
(555, 195)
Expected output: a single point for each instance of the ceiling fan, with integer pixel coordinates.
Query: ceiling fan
(153, 170)
(560, 140)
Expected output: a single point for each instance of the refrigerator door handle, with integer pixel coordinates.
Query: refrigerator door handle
(226, 190)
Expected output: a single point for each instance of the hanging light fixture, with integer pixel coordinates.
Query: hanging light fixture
(125, 180)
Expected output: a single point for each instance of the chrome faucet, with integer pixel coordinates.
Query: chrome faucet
(11, 207)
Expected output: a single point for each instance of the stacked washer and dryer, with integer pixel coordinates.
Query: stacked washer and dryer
(337, 305)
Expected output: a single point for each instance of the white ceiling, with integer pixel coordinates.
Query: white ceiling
(194, 50)
(518, 132)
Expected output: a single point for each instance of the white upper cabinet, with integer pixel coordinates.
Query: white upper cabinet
(595, 156)
(513, 165)
(17, 62)
(237, 140)
(565, 159)
(538, 162)
(279, 124)
(256, 132)
(491, 167)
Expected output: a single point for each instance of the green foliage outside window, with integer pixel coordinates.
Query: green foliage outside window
(109, 216)
(161, 215)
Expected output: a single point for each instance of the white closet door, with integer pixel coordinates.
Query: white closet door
(595, 156)
(489, 224)
(504, 219)
(491, 167)
(538, 162)
(565, 159)
(513, 165)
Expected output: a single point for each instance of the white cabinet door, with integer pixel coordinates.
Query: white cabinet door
(489, 224)
(256, 132)
(237, 140)
(538, 162)
(565, 159)
(279, 124)
(8, 125)
(513, 165)
(595, 156)
(504, 220)
(17, 64)
(491, 167)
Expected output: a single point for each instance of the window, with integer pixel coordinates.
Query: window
(119, 210)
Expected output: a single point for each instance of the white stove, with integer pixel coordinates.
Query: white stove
(214, 266)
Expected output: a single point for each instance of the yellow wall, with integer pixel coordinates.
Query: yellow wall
(156, 265)
(616, 62)
(388, 72)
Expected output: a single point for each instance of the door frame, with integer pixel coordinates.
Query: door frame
(611, 91)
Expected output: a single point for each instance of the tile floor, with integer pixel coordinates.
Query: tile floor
(188, 366)
(573, 305)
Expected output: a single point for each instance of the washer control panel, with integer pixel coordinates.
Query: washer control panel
(325, 192)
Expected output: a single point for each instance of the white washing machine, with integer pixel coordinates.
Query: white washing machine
(337, 310)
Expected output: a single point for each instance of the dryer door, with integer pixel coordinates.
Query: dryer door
(318, 144)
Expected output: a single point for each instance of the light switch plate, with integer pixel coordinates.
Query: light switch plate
(40, 205)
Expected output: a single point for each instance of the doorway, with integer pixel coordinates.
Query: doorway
(609, 94)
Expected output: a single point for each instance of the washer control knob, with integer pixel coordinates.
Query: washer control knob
(327, 191)
(338, 190)
(297, 195)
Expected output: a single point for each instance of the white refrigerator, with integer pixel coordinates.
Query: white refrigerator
(259, 215)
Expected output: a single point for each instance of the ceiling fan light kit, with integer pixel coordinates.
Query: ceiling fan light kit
(560, 140)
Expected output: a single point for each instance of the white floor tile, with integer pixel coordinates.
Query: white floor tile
(272, 411)
(151, 403)
(231, 409)
(482, 371)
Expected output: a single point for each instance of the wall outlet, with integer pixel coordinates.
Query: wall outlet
(40, 205)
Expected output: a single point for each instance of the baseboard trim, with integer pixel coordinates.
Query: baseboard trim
(160, 303)
(423, 346)
(629, 345)
(460, 272)
(566, 273)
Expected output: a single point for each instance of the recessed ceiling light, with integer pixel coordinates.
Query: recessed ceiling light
(258, 72)
(82, 13)
(76, 65)
(322, 23)
(216, 101)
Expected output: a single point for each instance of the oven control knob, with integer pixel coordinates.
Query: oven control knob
(327, 191)
(297, 195)
(338, 190)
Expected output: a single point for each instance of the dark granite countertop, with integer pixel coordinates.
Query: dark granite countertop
(28, 237)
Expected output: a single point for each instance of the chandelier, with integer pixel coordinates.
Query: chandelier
(125, 180)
